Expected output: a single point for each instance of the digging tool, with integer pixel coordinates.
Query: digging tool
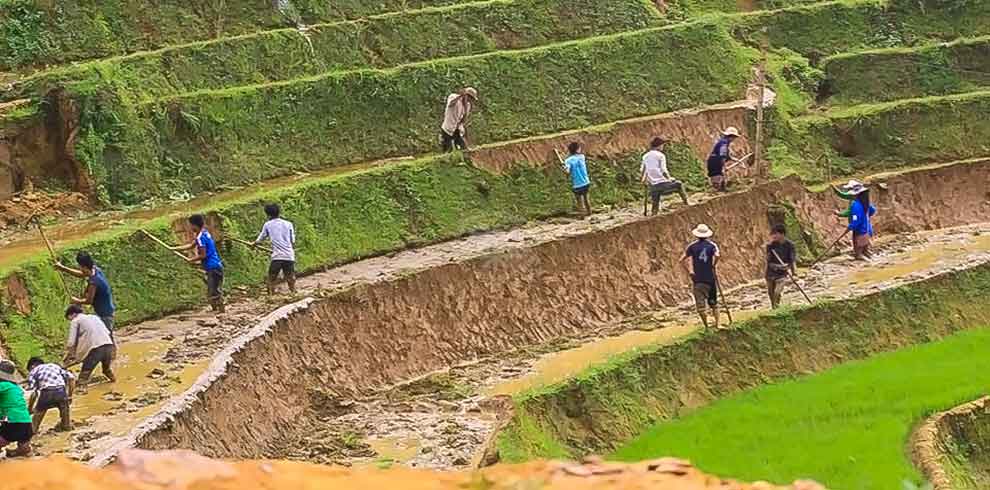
(792, 278)
(738, 162)
(829, 249)
(721, 294)
(646, 200)
(559, 158)
(251, 244)
(167, 247)
(51, 251)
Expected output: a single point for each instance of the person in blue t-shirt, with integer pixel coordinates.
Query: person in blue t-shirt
(98, 292)
(719, 157)
(699, 261)
(206, 254)
(577, 167)
(860, 214)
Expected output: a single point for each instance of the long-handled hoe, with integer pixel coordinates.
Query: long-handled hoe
(721, 293)
(792, 278)
(51, 251)
(251, 245)
(829, 249)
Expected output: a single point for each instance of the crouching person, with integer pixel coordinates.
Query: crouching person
(89, 341)
(52, 387)
(15, 419)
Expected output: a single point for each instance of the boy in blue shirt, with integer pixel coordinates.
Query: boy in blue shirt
(98, 292)
(206, 254)
(577, 167)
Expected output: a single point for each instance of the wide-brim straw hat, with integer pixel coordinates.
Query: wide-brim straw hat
(8, 372)
(473, 92)
(857, 190)
(702, 231)
(730, 131)
(853, 184)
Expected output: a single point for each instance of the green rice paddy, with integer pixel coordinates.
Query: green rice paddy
(848, 427)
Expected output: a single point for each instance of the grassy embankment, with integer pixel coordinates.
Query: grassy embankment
(207, 140)
(613, 403)
(847, 427)
(376, 42)
(966, 444)
(338, 219)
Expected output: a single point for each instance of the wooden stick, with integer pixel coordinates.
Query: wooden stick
(793, 279)
(250, 244)
(51, 251)
(725, 305)
(165, 245)
(829, 249)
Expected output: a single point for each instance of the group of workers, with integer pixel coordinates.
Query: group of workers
(90, 341)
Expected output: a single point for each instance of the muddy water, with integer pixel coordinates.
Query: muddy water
(144, 382)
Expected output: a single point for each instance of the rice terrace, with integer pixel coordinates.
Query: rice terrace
(495, 244)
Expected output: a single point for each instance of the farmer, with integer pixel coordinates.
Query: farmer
(51, 386)
(455, 115)
(699, 262)
(576, 166)
(655, 175)
(207, 255)
(88, 342)
(15, 419)
(718, 158)
(845, 193)
(282, 235)
(781, 261)
(860, 214)
(97, 293)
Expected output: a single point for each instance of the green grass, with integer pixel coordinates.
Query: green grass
(902, 73)
(847, 428)
(377, 42)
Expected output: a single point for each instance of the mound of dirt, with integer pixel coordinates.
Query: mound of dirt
(20, 209)
(183, 470)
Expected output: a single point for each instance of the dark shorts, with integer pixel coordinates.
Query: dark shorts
(51, 398)
(286, 267)
(100, 355)
(705, 294)
(449, 142)
(716, 167)
(214, 283)
(21, 432)
(582, 191)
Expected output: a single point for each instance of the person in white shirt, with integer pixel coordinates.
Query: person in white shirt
(89, 342)
(656, 176)
(455, 114)
(282, 235)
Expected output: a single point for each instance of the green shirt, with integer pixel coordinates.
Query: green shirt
(13, 407)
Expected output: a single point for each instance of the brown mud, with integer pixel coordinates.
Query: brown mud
(503, 292)
(951, 447)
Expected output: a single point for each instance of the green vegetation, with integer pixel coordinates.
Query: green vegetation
(966, 442)
(378, 42)
(207, 140)
(612, 403)
(338, 218)
(894, 134)
(901, 73)
(812, 427)
(38, 32)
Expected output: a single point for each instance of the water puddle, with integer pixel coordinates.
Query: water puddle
(397, 449)
(904, 264)
(144, 383)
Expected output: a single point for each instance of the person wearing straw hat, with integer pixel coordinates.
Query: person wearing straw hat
(860, 223)
(719, 157)
(699, 262)
(455, 115)
(15, 419)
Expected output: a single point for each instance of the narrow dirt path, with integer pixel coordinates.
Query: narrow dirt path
(445, 420)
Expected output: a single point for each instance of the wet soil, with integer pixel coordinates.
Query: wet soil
(445, 420)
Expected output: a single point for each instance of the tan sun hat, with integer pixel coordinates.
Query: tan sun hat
(702, 231)
(730, 131)
(472, 92)
(8, 372)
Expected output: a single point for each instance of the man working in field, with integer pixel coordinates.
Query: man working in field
(98, 292)
(282, 234)
(699, 262)
(456, 111)
(654, 174)
(207, 255)
(781, 262)
(89, 342)
(719, 157)
(51, 387)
